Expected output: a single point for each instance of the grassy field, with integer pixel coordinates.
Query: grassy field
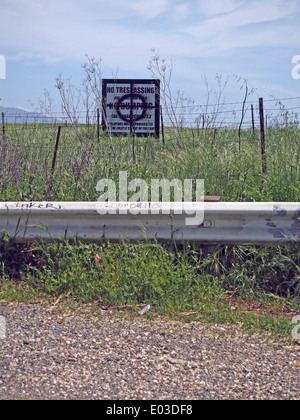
(256, 287)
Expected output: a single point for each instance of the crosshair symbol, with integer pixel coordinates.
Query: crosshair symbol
(133, 117)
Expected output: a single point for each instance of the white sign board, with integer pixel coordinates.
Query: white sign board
(131, 106)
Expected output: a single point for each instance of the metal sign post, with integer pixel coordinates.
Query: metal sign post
(131, 106)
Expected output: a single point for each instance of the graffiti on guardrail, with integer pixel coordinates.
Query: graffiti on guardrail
(33, 205)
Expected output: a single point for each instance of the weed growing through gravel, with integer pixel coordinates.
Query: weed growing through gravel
(215, 288)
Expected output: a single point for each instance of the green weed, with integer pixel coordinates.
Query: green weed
(173, 279)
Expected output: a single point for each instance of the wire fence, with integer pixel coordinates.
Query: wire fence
(278, 112)
(34, 138)
(243, 121)
(38, 136)
(36, 162)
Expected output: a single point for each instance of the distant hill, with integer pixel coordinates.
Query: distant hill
(22, 116)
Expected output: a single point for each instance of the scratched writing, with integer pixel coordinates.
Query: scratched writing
(138, 207)
(133, 205)
(32, 205)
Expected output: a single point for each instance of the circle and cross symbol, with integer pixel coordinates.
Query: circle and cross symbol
(129, 103)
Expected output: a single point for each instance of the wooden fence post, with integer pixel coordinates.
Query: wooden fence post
(3, 126)
(162, 125)
(252, 113)
(53, 163)
(55, 150)
(4, 149)
(98, 124)
(262, 136)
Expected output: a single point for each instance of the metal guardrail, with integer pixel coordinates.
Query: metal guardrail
(223, 223)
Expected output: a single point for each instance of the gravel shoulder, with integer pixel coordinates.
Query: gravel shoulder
(50, 354)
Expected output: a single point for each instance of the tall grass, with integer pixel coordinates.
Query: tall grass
(172, 278)
(25, 170)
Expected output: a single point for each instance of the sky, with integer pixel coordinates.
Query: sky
(255, 40)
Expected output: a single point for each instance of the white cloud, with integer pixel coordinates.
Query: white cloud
(149, 9)
(218, 7)
(241, 27)
(28, 57)
(181, 11)
(117, 29)
(123, 32)
(121, 35)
